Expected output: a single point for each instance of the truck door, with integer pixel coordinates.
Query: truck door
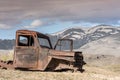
(26, 54)
(64, 45)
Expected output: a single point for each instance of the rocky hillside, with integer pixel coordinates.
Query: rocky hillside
(109, 44)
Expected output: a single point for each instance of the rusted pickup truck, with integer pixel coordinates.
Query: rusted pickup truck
(34, 51)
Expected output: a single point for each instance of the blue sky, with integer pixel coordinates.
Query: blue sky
(52, 28)
(49, 16)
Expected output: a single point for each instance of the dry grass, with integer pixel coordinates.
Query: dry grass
(91, 73)
(114, 68)
(7, 56)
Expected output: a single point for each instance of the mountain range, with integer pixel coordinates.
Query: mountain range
(101, 37)
(7, 44)
(81, 37)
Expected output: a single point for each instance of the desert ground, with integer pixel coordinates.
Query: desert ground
(91, 73)
(98, 67)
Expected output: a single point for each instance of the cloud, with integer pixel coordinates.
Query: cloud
(15, 11)
(4, 26)
(35, 24)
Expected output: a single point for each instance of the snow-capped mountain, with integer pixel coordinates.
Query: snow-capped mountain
(82, 37)
(100, 32)
(72, 33)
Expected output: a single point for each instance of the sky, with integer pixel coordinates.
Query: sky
(50, 16)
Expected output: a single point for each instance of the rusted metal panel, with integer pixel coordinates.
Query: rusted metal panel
(61, 53)
(64, 58)
(26, 57)
(43, 58)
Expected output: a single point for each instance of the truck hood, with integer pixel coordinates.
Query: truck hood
(61, 53)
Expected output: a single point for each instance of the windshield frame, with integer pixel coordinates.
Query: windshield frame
(44, 37)
(68, 40)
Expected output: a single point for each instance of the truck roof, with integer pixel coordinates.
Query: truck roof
(32, 32)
